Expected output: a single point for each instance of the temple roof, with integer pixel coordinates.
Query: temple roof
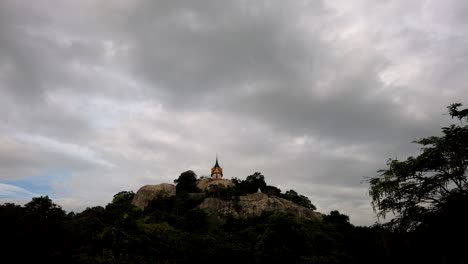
(216, 164)
(216, 171)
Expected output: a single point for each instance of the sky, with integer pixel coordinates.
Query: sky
(98, 97)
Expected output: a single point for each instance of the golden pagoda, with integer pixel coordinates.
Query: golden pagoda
(216, 171)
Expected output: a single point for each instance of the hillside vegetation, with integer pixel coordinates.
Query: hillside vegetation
(173, 229)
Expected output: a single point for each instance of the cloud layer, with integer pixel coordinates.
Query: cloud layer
(315, 95)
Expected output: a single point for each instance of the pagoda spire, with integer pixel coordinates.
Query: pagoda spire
(216, 171)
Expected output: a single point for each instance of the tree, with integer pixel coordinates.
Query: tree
(255, 182)
(418, 188)
(299, 199)
(44, 234)
(335, 217)
(187, 182)
(123, 197)
(43, 207)
(272, 190)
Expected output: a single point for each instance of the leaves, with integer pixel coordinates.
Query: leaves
(415, 187)
(187, 182)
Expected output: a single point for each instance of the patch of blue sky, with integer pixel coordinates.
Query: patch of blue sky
(33, 185)
(8, 191)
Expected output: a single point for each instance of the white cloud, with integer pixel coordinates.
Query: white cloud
(15, 192)
(75, 151)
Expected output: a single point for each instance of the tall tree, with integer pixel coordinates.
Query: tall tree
(419, 188)
(43, 207)
(187, 182)
(255, 182)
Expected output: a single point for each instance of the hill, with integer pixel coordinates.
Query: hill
(226, 198)
(196, 221)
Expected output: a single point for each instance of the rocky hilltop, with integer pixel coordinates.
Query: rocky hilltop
(240, 206)
(254, 205)
(148, 193)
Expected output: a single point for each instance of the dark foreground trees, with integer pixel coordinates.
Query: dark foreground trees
(428, 194)
(122, 233)
(419, 188)
(173, 230)
(36, 232)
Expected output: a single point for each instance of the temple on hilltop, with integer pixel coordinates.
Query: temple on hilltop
(216, 171)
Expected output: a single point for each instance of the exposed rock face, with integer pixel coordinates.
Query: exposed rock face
(244, 206)
(254, 205)
(204, 184)
(149, 192)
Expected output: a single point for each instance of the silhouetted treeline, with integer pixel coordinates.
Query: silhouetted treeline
(172, 230)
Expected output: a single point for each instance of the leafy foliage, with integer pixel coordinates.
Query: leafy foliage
(187, 182)
(298, 199)
(43, 207)
(122, 233)
(256, 182)
(417, 188)
(123, 197)
(252, 184)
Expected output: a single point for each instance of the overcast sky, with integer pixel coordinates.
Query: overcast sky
(98, 97)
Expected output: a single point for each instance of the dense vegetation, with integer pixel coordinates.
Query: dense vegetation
(428, 195)
(187, 182)
(172, 231)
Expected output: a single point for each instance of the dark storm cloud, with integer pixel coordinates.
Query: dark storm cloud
(193, 52)
(315, 95)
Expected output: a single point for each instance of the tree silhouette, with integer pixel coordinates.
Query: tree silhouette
(186, 182)
(416, 189)
(43, 207)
